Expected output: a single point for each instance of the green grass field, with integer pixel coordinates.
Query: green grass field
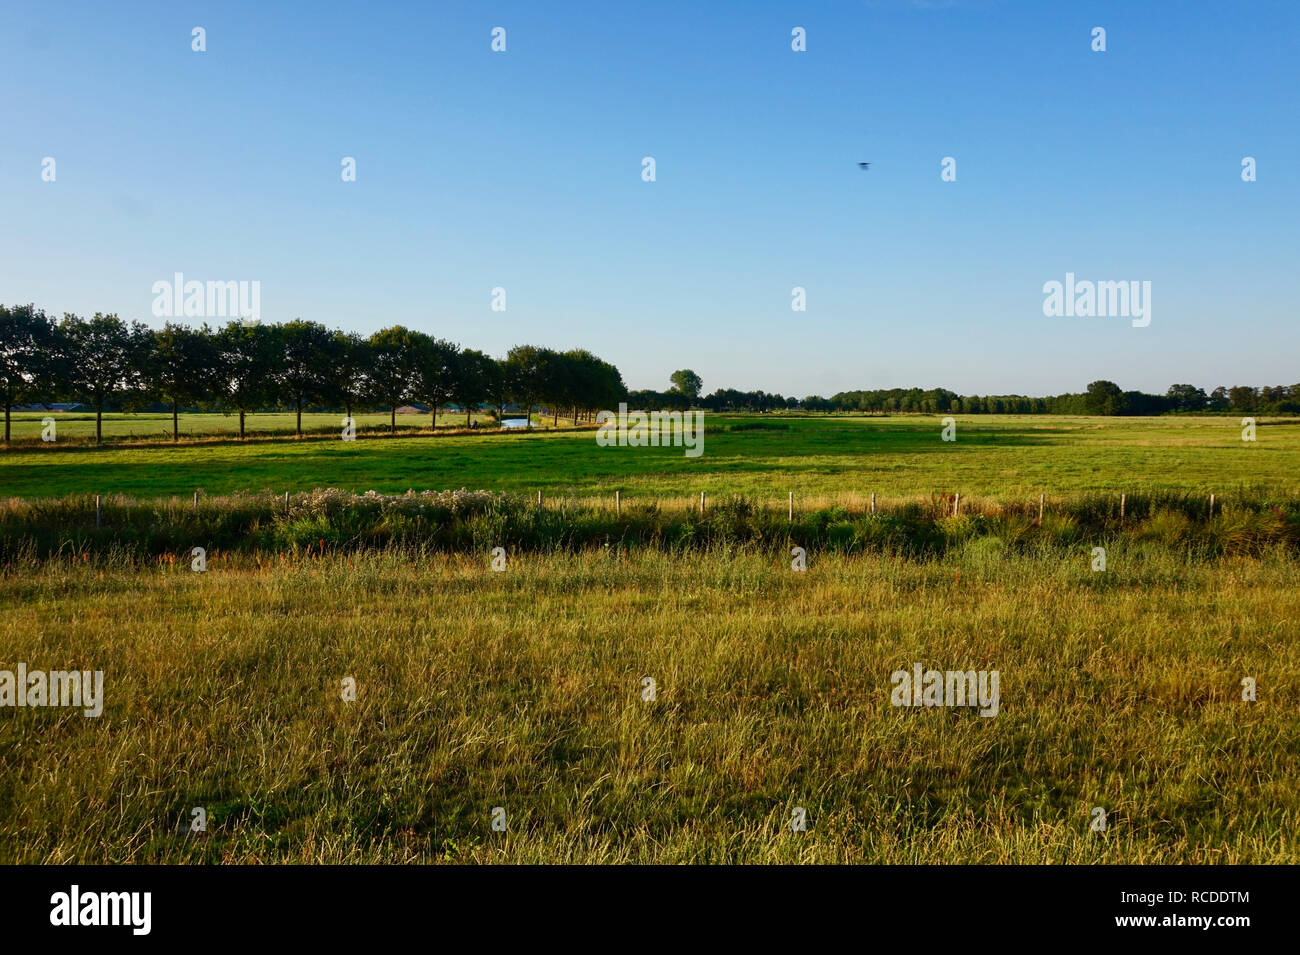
(523, 690)
(814, 456)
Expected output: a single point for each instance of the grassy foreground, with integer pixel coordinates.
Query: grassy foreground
(522, 690)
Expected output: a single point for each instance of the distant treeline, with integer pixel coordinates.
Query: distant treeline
(1101, 398)
(245, 367)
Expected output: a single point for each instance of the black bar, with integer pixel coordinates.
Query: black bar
(935, 906)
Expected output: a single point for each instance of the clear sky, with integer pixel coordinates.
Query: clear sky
(522, 169)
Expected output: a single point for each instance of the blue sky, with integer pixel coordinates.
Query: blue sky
(522, 170)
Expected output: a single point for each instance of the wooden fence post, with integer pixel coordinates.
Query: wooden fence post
(1211, 505)
(1041, 498)
(1121, 507)
(286, 502)
(196, 499)
(701, 502)
(618, 503)
(956, 504)
(539, 498)
(873, 502)
(790, 515)
(97, 514)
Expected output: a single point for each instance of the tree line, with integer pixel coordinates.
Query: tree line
(242, 367)
(1100, 398)
(724, 399)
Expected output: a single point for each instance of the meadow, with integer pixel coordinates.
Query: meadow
(819, 458)
(524, 690)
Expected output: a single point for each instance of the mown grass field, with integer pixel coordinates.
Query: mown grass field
(522, 690)
(761, 457)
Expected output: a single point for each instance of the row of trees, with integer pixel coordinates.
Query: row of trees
(724, 399)
(106, 362)
(1100, 398)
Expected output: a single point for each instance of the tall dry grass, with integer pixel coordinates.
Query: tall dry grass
(522, 690)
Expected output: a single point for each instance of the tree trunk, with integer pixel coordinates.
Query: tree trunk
(241, 424)
(467, 417)
(300, 416)
(6, 422)
(99, 423)
(393, 420)
(435, 415)
(530, 415)
(176, 434)
(555, 417)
